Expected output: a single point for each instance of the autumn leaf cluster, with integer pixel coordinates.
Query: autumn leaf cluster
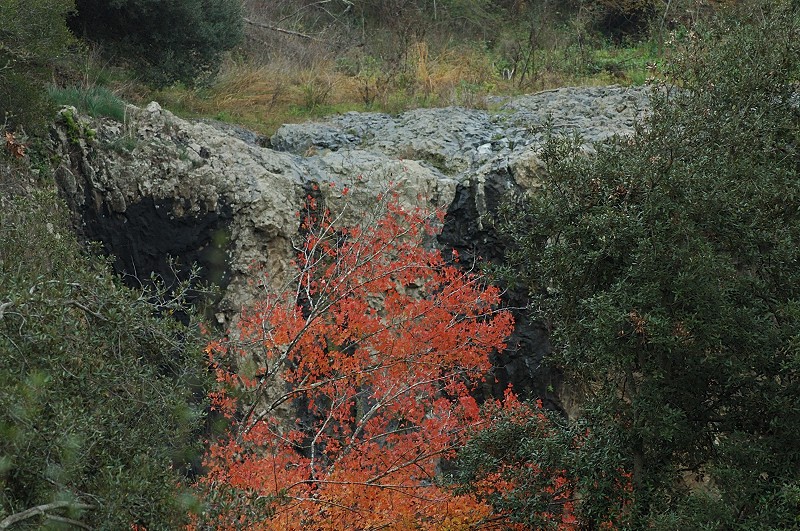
(376, 352)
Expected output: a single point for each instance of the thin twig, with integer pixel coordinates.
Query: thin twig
(281, 30)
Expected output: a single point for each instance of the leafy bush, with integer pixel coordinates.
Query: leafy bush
(180, 40)
(531, 465)
(667, 268)
(96, 409)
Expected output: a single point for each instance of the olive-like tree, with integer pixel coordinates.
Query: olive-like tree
(667, 268)
(100, 387)
(33, 37)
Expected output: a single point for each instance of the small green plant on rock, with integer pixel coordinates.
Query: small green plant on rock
(97, 102)
(76, 130)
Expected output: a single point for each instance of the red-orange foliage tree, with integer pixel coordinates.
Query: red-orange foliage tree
(377, 349)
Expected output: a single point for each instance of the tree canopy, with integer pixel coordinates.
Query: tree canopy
(181, 40)
(376, 352)
(33, 36)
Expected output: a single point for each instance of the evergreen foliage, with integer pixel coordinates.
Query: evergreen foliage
(33, 36)
(532, 463)
(97, 413)
(667, 266)
(181, 40)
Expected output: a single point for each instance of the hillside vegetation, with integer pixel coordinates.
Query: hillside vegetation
(265, 63)
(664, 265)
(666, 268)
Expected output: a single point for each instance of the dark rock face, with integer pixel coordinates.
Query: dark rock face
(522, 364)
(149, 239)
(469, 226)
(469, 229)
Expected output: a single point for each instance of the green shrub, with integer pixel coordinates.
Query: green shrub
(33, 37)
(667, 267)
(97, 415)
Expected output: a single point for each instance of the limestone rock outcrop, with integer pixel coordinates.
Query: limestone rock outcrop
(213, 194)
(160, 186)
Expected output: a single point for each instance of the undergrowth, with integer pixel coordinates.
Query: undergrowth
(265, 96)
(282, 79)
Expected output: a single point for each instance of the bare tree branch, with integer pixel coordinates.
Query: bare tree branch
(281, 30)
(64, 520)
(41, 510)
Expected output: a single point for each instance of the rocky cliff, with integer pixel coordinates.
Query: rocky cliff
(209, 193)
